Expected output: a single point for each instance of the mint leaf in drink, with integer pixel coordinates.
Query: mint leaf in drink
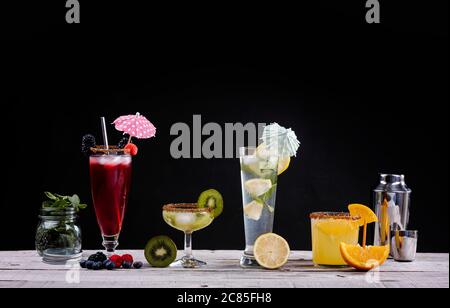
(82, 206)
(75, 200)
(264, 199)
(50, 196)
(47, 204)
(61, 202)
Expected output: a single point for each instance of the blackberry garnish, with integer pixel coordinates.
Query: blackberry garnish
(123, 142)
(87, 143)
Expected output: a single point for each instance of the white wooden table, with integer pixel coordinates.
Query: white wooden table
(25, 269)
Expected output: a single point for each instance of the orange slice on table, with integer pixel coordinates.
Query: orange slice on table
(366, 214)
(364, 259)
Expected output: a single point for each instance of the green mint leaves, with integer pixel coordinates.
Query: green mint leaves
(63, 202)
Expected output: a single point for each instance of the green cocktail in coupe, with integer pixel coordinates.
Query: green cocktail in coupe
(192, 217)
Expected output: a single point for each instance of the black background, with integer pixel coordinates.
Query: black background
(362, 98)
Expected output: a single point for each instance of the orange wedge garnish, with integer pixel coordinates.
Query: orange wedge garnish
(364, 259)
(366, 214)
(367, 217)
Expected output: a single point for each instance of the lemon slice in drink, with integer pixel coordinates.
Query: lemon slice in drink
(271, 251)
(283, 163)
(257, 187)
(254, 210)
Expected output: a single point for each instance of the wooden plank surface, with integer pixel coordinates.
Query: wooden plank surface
(25, 269)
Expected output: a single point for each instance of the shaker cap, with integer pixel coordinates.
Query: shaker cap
(394, 178)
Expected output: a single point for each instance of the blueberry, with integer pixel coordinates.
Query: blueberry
(105, 263)
(126, 265)
(110, 265)
(90, 264)
(83, 263)
(138, 265)
(97, 266)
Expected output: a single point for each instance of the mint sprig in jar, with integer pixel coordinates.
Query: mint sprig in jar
(58, 235)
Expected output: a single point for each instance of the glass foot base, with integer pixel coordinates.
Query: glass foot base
(249, 262)
(188, 263)
(110, 243)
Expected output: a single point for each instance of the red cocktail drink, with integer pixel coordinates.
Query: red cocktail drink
(110, 182)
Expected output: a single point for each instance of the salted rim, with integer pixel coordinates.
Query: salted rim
(334, 215)
(186, 208)
(111, 149)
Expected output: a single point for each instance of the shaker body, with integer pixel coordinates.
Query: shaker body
(392, 199)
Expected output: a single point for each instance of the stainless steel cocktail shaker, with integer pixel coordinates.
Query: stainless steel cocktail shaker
(392, 200)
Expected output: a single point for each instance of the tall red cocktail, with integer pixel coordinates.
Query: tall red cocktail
(110, 182)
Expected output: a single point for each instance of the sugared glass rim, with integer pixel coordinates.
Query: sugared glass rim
(112, 150)
(186, 208)
(333, 215)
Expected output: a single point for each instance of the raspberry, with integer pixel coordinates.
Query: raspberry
(117, 260)
(132, 148)
(128, 259)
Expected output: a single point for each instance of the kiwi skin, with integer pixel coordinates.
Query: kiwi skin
(212, 199)
(157, 243)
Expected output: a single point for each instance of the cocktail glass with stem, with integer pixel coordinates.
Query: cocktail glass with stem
(110, 171)
(189, 218)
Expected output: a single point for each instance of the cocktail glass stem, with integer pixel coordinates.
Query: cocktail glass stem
(110, 243)
(188, 261)
(188, 246)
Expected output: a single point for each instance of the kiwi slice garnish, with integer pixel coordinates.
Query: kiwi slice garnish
(160, 251)
(211, 199)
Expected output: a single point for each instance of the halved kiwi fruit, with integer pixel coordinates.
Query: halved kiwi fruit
(211, 199)
(160, 251)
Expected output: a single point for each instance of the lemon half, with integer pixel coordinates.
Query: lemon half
(271, 251)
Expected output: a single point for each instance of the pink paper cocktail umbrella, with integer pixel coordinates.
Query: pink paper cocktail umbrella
(136, 126)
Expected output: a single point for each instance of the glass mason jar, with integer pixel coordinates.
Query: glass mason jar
(58, 237)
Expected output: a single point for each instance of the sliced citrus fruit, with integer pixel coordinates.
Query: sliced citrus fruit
(253, 210)
(264, 153)
(366, 214)
(283, 164)
(257, 187)
(271, 251)
(364, 259)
